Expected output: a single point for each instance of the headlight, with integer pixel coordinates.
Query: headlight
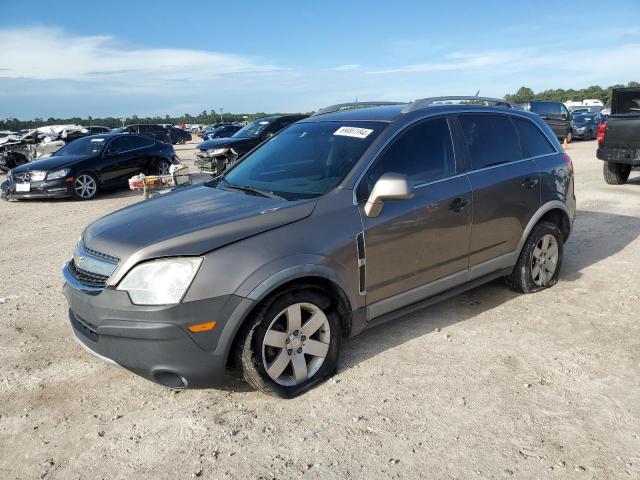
(37, 175)
(160, 282)
(58, 174)
(217, 151)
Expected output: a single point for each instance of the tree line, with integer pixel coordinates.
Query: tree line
(206, 118)
(561, 95)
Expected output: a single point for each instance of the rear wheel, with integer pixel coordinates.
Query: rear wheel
(616, 173)
(291, 343)
(85, 186)
(540, 260)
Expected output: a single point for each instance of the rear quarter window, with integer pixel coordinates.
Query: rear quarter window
(534, 142)
(491, 139)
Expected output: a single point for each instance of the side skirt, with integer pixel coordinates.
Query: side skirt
(414, 307)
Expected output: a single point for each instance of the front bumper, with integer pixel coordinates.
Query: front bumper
(629, 156)
(153, 341)
(45, 189)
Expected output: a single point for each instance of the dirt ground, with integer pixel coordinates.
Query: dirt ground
(489, 384)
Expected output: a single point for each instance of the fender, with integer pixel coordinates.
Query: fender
(547, 207)
(271, 276)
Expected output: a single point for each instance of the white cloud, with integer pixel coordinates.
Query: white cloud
(50, 53)
(350, 66)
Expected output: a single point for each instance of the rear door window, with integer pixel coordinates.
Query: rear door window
(534, 142)
(491, 139)
(424, 153)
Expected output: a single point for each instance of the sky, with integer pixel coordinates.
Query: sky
(120, 58)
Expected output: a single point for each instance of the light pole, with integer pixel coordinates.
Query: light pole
(221, 110)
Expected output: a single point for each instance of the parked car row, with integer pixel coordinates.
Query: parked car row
(329, 225)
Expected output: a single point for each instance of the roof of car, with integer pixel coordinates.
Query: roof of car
(384, 113)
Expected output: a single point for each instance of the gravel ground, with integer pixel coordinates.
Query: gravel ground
(489, 384)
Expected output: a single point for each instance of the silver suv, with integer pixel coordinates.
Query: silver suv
(351, 217)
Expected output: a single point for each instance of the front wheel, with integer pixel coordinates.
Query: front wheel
(291, 343)
(616, 173)
(85, 186)
(540, 260)
(163, 167)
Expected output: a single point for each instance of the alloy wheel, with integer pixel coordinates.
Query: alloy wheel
(296, 344)
(163, 168)
(544, 260)
(85, 186)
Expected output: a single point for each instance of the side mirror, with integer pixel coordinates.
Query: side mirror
(390, 186)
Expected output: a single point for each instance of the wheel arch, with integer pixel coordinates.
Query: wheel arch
(554, 211)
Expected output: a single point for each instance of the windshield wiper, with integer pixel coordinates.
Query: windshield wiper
(249, 188)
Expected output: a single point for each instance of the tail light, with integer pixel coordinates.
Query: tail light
(567, 159)
(601, 132)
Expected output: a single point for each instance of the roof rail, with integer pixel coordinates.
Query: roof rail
(353, 105)
(432, 101)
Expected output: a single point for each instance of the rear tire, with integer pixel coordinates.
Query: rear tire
(540, 260)
(616, 173)
(163, 167)
(263, 352)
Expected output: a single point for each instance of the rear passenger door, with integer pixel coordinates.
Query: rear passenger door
(506, 189)
(417, 241)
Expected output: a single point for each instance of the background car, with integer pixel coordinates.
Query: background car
(554, 114)
(223, 131)
(178, 135)
(97, 130)
(87, 165)
(214, 156)
(157, 132)
(585, 125)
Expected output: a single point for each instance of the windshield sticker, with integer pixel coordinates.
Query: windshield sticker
(353, 132)
(97, 139)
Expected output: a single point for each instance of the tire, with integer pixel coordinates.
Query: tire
(569, 136)
(616, 173)
(162, 168)
(85, 186)
(530, 274)
(262, 350)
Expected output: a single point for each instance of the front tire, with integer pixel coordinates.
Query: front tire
(291, 343)
(85, 186)
(540, 260)
(163, 167)
(616, 173)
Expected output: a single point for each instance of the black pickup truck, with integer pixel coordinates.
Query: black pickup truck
(619, 136)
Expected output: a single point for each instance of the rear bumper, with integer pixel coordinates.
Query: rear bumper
(629, 156)
(153, 341)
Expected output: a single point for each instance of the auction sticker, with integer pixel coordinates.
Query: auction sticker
(353, 132)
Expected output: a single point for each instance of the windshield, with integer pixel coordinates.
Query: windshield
(306, 160)
(582, 118)
(83, 146)
(253, 129)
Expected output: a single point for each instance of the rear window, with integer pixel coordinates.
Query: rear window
(491, 139)
(546, 108)
(625, 102)
(533, 140)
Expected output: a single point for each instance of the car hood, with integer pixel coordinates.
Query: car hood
(190, 221)
(52, 163)
(225, 142)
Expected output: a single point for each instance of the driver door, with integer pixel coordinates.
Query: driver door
(414, 243)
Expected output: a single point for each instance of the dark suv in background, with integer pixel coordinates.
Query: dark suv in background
(555, 114)
(214, 156)
(343, 220)
(157, 132)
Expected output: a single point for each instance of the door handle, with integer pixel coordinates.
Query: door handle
(458, 204)
(529, 183)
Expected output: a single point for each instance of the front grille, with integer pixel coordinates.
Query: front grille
(20, 177)
(104, 256)
(87, 329)
(87, 278)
